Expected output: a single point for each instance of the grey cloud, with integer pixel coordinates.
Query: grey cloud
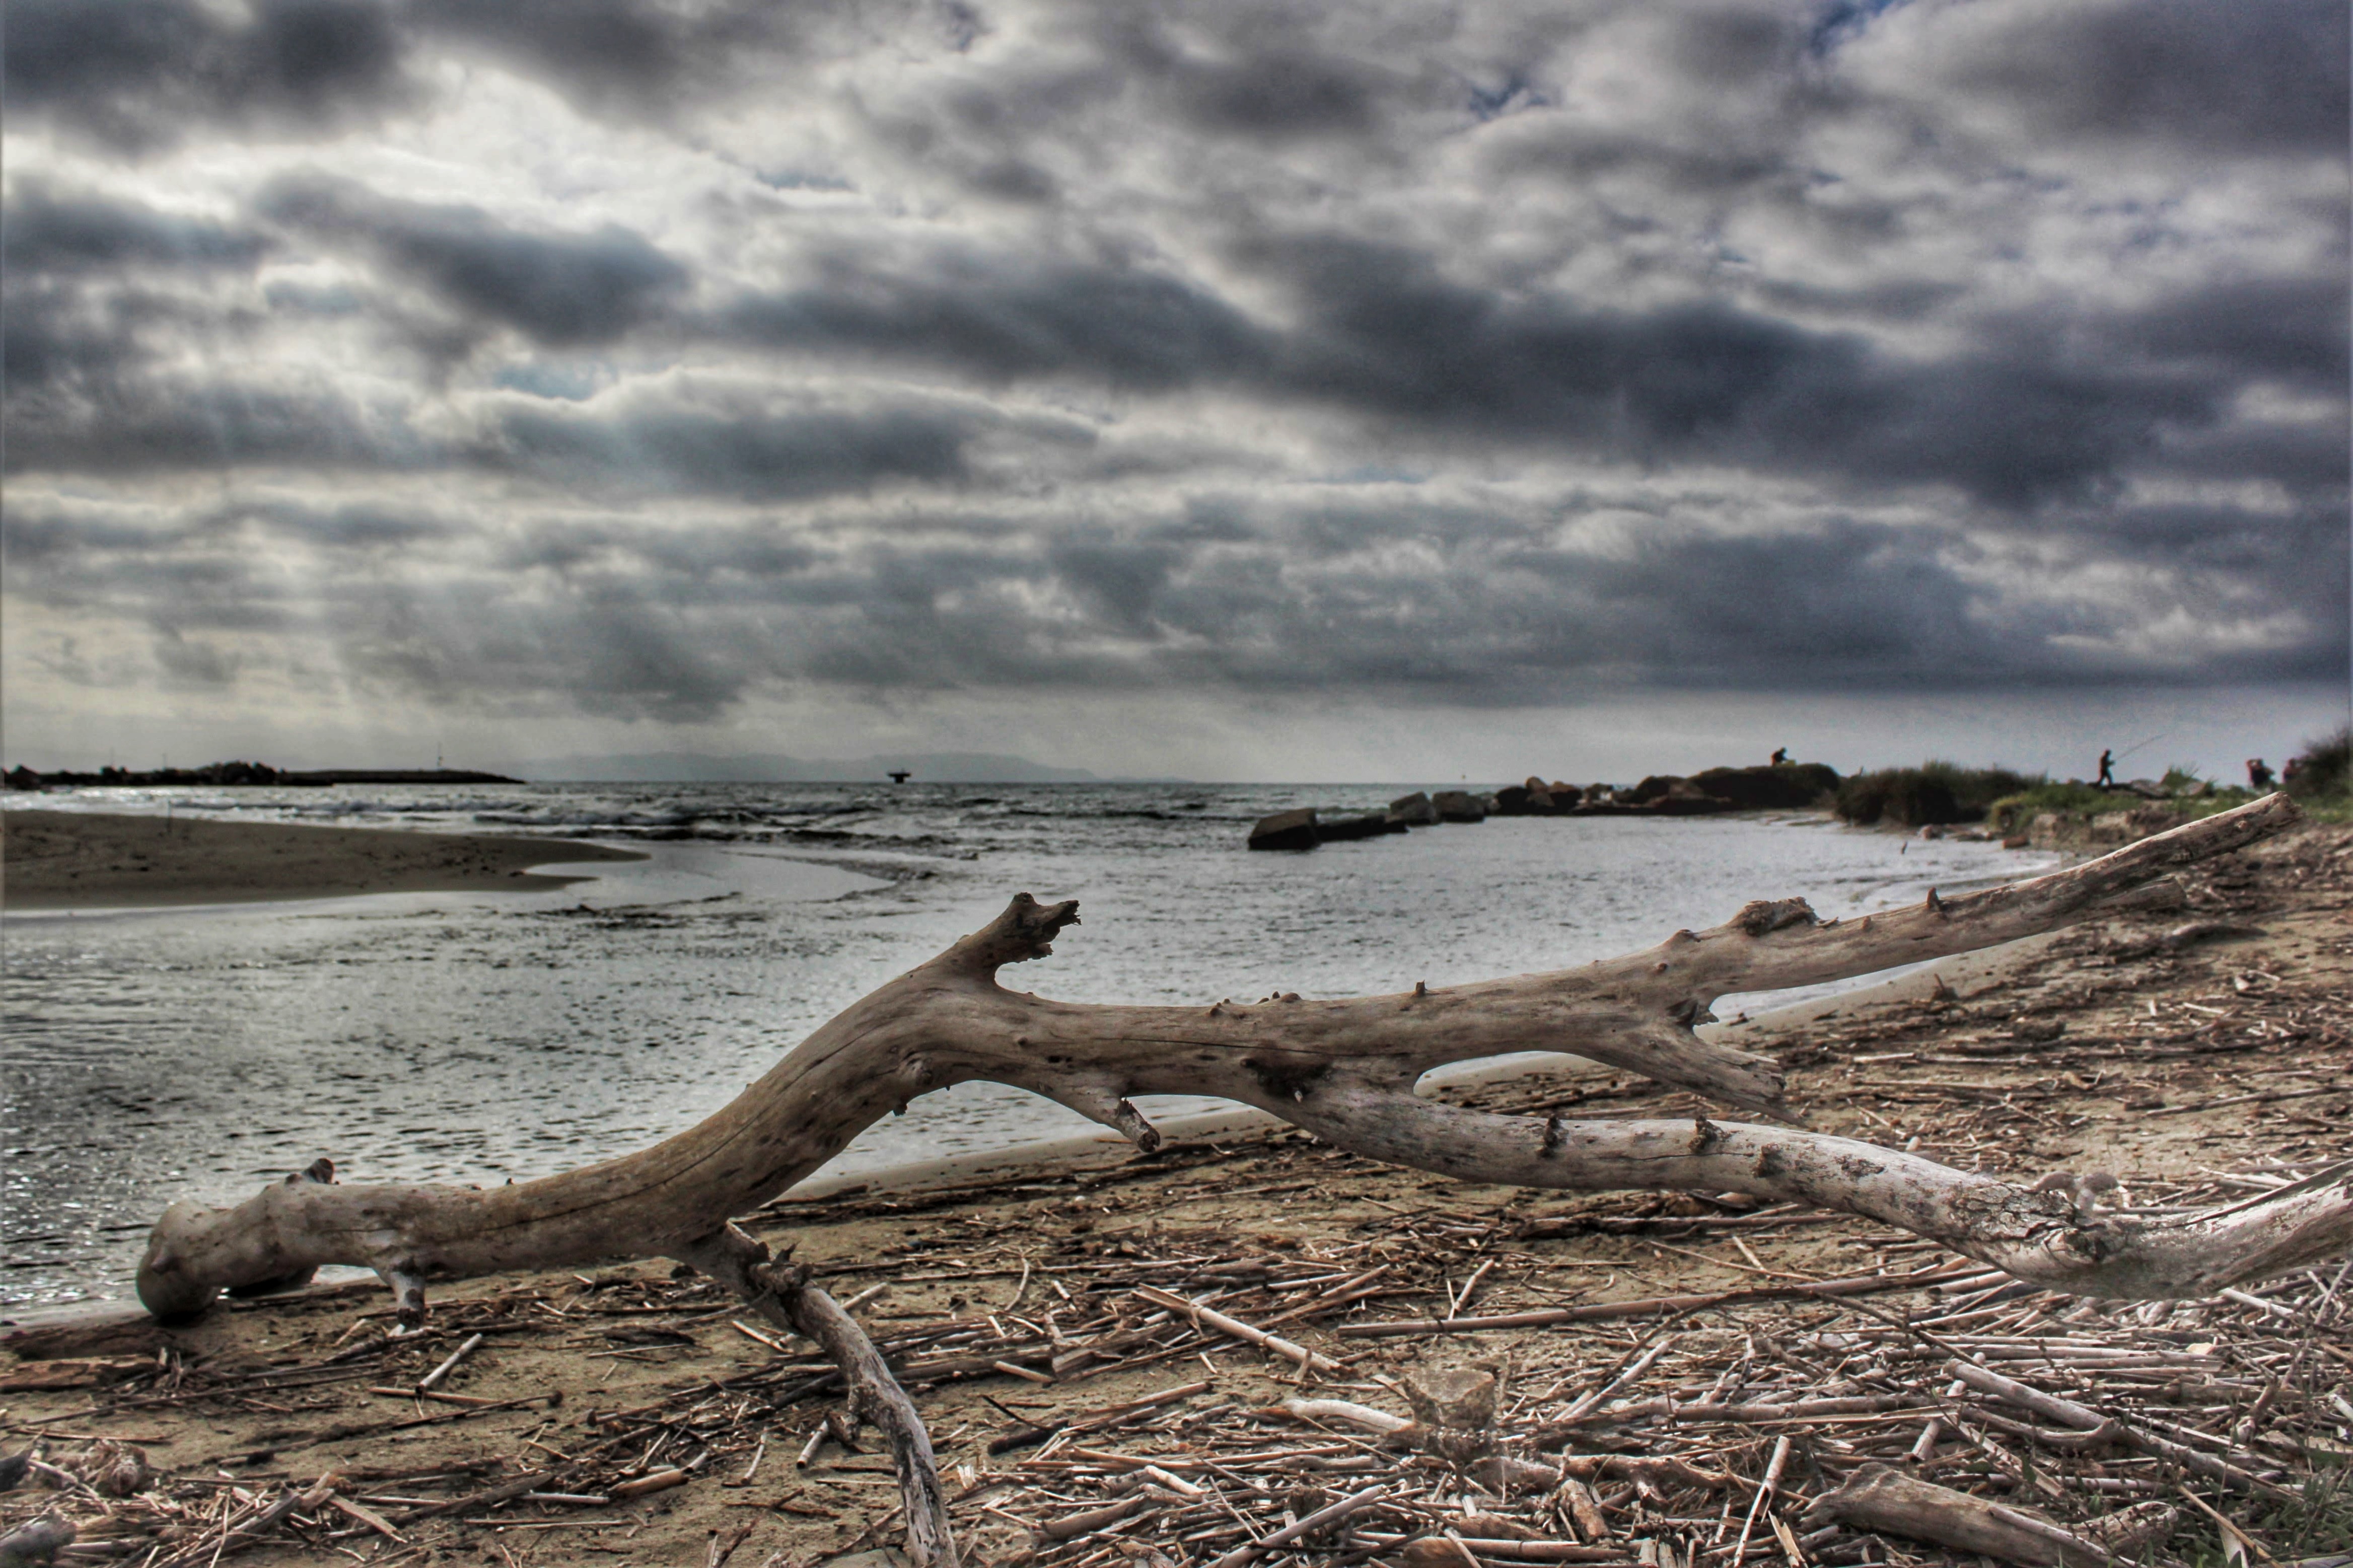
(1002, 318)
(2013, 426)
(53, 335)
(2024, 418)
(645, 58)
(143, 73)
(2250, 76)
(43, 232)
(2307, 457)
(358, 526)
(2291, 327)
(680, 619)
(558, 288)
(1117, 582)
(1266, 83)
(756, 454)
(139, 426)
(140, 75)
(199, 663)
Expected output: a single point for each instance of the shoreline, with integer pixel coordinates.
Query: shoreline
(72, 861)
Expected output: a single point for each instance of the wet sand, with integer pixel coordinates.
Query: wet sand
(87, 860)
(1008, 1290)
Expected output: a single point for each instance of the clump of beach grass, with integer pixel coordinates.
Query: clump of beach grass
(2318, 774)
(1935, 792)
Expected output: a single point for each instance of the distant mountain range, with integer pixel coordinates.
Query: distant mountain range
(699, 767)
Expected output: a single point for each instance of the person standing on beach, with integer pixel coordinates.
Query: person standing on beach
(2259, 774)
(2107, 770)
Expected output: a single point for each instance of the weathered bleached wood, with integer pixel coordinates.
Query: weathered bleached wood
(1879, 1498)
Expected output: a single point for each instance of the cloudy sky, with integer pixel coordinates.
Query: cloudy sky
(1213, 387)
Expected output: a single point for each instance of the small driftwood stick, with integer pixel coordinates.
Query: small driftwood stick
(1879, 1498)
(781, 1292)
(2085, 1419)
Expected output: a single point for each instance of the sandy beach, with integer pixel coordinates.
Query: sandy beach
(86, 861)
(636, 1413)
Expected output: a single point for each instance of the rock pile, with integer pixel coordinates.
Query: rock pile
(1780, 787)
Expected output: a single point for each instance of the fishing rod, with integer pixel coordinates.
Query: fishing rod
(2128, 750)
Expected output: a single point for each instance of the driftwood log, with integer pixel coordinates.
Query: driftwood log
(1879, 1498)
(1345, 1070)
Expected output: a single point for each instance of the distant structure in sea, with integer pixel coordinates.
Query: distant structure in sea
(900, 775)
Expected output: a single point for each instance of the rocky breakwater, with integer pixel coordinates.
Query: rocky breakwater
(1784, 786)
(1306, 829)
(215, 776)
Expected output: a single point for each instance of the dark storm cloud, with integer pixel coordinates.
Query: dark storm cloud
(2011, 425)
(1267, 81)
(748, 453)
(2023, 418)
(639, 57)
(142, 73)
(53, 335)
(2250, 76)
(2294, 328)
(151, 425)
(43, 232)
(558, 288)
(2305, 457)
(1003, 317)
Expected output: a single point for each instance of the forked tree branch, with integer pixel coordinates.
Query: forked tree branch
(1344, 1069)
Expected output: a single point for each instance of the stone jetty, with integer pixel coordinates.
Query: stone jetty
(1779, 786)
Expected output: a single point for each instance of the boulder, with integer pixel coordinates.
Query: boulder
(1458, 805)
(1286, 830)
(1682, 797)
(1413, 810)
(1345, 827)
(1533, 798)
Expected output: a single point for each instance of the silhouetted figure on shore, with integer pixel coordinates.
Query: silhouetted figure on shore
(2259, 774)
(2107, 779)
(1780, 755)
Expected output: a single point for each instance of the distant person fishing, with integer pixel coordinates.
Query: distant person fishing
(2108, 761)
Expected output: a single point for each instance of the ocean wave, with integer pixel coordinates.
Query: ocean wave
(607, 819)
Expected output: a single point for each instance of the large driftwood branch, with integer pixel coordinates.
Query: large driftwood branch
(1344, 1069)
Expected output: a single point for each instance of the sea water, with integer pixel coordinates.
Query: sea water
(474, 1038)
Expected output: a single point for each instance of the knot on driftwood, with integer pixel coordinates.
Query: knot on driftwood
(781, 1278)
(1454, 1412)
(1024, 931)
(1766, 915)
